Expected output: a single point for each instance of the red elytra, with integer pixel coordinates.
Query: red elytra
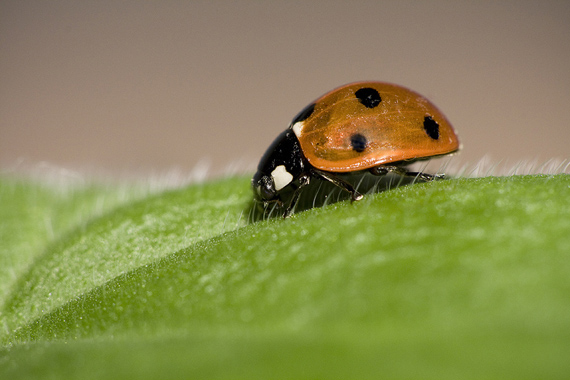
(401, 125)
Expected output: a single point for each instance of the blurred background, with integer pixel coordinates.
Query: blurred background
(152, 86)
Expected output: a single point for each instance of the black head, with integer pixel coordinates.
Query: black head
(281, 165)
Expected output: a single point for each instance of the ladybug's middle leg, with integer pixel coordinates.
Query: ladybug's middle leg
(355, 195)
(400, 170)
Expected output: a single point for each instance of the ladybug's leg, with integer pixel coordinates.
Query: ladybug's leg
(400, 170)
(275, 203)
(303, 181)
(340, 183)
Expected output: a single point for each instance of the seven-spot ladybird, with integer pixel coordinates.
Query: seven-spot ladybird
(373, 126)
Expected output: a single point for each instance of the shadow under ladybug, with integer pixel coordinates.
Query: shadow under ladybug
(319, 193)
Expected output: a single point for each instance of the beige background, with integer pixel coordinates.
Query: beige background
(147, 86)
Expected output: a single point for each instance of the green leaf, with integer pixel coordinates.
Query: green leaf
(34, 214)
(461, 278)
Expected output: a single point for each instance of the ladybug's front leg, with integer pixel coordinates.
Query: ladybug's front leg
(303, 181)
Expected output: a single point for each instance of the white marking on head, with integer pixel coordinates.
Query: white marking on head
(297, 128)
(281, 177)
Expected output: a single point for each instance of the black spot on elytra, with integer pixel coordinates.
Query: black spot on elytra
(304, 114)
(358, 142)
(369, 97)
(431, 127)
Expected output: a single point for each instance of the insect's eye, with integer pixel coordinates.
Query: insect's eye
(266, 188)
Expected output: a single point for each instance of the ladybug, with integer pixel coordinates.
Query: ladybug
(374, 126)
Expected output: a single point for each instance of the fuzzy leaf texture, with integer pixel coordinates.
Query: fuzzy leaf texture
(463, 278)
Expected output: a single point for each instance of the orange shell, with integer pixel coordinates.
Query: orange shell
(393, 129)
